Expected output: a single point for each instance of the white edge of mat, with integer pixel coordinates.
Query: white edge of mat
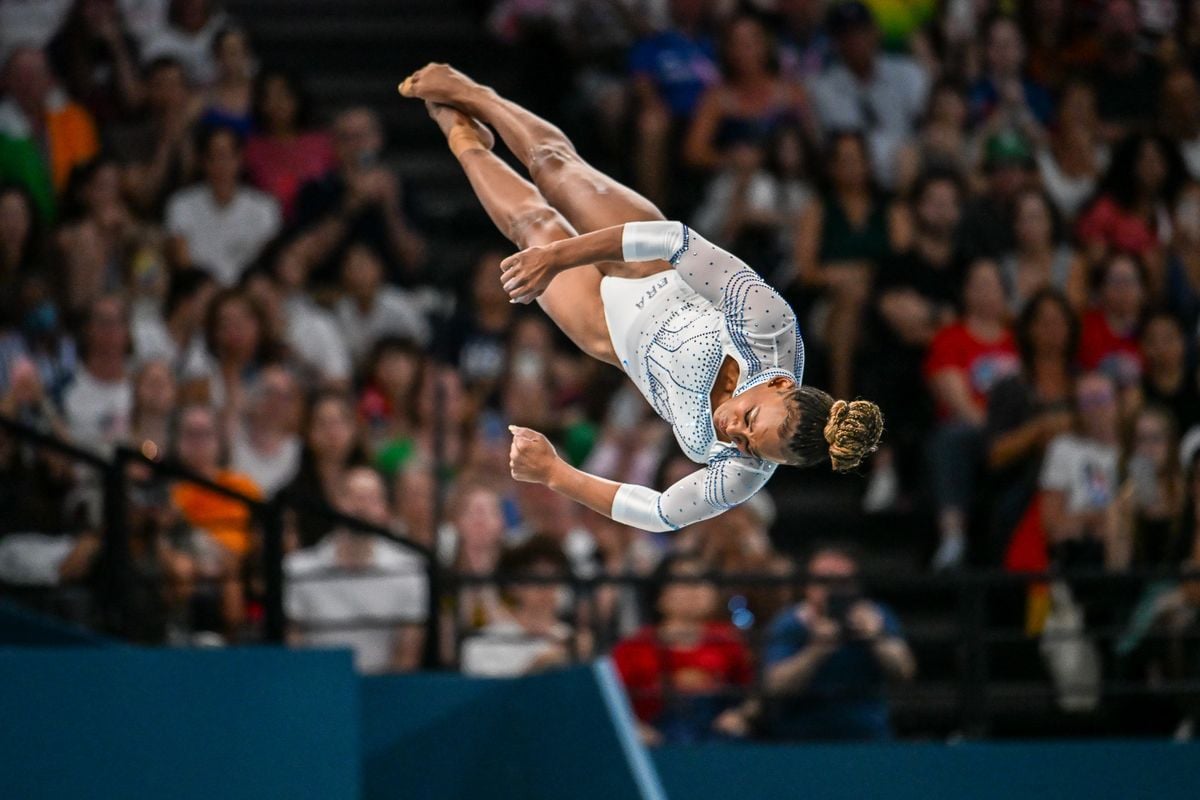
(644, 773)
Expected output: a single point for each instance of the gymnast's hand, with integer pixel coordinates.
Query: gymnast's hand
(532, 457)
(525, 275)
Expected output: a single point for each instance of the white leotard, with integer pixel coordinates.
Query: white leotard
(672, 331)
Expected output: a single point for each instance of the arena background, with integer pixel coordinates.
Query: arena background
(257, 533)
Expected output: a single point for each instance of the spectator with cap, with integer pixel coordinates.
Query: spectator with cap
(986, 230)
(881, 95)
(827, 660)
(357, 589)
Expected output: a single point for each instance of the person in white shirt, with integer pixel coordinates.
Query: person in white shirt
(265, 444)
(191, 27)
(1079, 479)
(880, 95)
(531, 638)
(359, 590)
(98, 402)
(221, 225)
(176, 333)
(369, 310)
(308, 331)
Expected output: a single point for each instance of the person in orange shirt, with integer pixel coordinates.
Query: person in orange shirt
(37, 111)
(199, 448)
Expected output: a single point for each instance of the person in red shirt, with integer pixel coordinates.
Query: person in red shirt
(682, 672)
(965, 360)
(1131, 213)
(1108, 338)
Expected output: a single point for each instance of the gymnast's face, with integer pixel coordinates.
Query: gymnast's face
(754, 420)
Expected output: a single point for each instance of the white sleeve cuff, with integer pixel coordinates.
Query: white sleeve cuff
(652, 241)
(638, 507)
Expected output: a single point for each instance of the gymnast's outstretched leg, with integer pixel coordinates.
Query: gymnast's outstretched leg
(589, 199)
(522, 214)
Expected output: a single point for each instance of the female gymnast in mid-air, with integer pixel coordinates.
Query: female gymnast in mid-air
(715, 350)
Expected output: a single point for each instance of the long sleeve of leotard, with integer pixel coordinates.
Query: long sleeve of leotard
(760, 322)
(728, 480)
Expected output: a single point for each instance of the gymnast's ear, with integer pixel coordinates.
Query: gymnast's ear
(781, 382)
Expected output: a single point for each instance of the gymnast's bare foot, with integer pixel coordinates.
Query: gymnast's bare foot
(440, 83)
(462, 132)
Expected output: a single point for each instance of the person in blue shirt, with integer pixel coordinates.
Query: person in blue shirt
(828, 658)
(1004, 89)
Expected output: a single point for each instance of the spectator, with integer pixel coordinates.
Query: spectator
(188, 37)
(1079, 478)
(474, 340)
(826, 659)
(20, 247)
(1041, 259)
(239, 342)
(1131, 213)
(986, 230)
(358, 200)
(879, 95)
(1151, 530)
(155, 395)
(840, 243)
(156, 148)
(370, 310)
(1028, 410)
(331, 447)
(40, 336)
(309, 333)
(1075, 156)
(43, 134)
(475, 541)
(1004, 95)
(671, 69)
(357, 589)
(388, 402)
(97, 403)
(97, 60)
(221, 225)
(200, 448)
(32, 24)
(98, 234)
(686, 668)
(1109, 337)
(966, 360)
(176, 334)
(753, 203)
(1183, 261)
(1168, 381)
(230, 98)
(532, 638)
(285, 151)
(744, 109)
(1127, 81)
(916, 295)
(804, 45)
(417, 485)
(264, 443)
(1179, 116)
(941, 144)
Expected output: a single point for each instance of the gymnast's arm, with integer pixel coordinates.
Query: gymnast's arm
(618, 250)
(702, 495)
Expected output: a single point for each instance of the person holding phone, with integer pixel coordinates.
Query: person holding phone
(827, 660)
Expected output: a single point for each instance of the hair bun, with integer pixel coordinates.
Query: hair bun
(853, 432)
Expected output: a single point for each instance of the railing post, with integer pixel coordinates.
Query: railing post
(974, 677)
(116, 545)
(431, 659)
(274, 618)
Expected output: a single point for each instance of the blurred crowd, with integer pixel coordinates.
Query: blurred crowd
(985, 213)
